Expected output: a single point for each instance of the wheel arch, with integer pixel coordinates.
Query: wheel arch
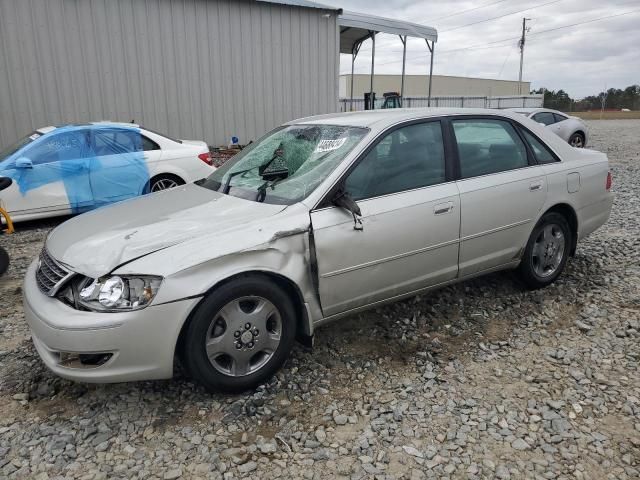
(303, 324)
(568, 212)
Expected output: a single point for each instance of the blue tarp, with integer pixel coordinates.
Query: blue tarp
(98, 164)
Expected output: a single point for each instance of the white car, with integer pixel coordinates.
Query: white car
(572, 130)
(319, 219)
(76, 168)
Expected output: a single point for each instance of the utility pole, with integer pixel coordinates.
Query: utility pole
(521, 45)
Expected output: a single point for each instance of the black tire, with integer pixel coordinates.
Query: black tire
(530, 266)
(4, 261)
(194, 354)
(577, 140)
(156, 184)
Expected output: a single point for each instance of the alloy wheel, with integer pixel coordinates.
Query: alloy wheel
(243, 336)
(163, 184)
(548, 250)
(577, 141)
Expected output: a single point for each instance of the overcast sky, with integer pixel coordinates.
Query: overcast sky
(582, 59)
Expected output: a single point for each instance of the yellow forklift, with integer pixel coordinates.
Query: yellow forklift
(6, 226)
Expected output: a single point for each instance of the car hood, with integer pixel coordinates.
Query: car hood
(97, 242)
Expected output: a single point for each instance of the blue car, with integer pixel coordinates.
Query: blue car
(75, 168)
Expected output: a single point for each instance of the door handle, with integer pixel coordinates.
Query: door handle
(535, 186)
(443, 208)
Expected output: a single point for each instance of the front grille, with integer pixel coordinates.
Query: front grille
(50, 275)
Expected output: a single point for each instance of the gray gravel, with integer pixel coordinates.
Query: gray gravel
(479, 380)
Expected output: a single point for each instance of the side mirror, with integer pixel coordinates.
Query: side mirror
(543, 124)
(342, 199)
(24, 162)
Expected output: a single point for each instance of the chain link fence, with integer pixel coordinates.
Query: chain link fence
(526, 101)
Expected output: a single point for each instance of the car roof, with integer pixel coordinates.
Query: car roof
(102, 123)
(530, 110)
(383, 118)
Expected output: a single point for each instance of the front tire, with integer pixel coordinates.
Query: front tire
(240, 335)
(547, 251)
(577, 140)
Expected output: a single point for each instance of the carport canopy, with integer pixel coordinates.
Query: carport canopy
(357, 27)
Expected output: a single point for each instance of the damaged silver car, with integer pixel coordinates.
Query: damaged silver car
(321, 218)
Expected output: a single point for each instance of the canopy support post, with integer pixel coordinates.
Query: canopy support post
(373, 58)
(404, 61)
(353, 64)
(431, 47)
(354, 54)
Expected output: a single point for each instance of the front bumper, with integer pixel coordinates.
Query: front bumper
(142, 342)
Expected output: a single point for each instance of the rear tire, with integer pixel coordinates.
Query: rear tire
(577, 140)
(164, 181)
(547, 251)
(4, 261)
(240, 335)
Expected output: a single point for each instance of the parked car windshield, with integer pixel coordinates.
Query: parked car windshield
(287, 164)
(14, 147)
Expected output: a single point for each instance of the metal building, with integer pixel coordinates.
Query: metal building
(418, 85)
(201, 69)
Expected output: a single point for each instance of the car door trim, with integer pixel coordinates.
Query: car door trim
(389, 259)
(495, 230)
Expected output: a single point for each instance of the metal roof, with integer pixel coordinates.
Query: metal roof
(303, 3)
(356, 27)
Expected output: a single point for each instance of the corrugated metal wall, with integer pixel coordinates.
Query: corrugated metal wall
(197, 69)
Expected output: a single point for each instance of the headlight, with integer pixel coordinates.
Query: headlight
(118, 292)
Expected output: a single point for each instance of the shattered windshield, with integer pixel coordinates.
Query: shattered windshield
(287, 164)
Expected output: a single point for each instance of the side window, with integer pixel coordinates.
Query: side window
(116, 142)
(558, 117)
(540, 151)
(544, 117)
(488, 146)
(406, 158)
(148, 144)
(58, 147)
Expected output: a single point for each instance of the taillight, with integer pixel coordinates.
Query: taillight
(206, 158)
(609, 181)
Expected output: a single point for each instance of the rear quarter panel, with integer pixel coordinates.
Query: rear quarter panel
(579, 181)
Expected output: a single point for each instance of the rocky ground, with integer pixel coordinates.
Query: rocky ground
(479, 380)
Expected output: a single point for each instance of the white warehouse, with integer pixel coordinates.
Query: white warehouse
(442, 85)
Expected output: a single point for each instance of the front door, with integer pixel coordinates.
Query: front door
(410, 223)
(56, 179)
(501, 192)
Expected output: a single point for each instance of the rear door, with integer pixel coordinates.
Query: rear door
(410, 223)
(119, 167)
(502, 189)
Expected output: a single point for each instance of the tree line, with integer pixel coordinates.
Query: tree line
(614, 98)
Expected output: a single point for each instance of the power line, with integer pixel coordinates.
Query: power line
(464, 11)
(487, 19)
(479, 46)
(499, 16)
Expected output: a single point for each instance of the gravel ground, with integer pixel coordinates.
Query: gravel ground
(478, 380)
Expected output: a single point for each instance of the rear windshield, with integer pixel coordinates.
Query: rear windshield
(287, 164)
(14, 147)
(162, 135)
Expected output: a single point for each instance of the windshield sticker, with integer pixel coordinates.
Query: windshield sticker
(35, 136)
(329, 145)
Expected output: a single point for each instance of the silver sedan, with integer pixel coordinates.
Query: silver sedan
(571, 129)
(321, 218)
